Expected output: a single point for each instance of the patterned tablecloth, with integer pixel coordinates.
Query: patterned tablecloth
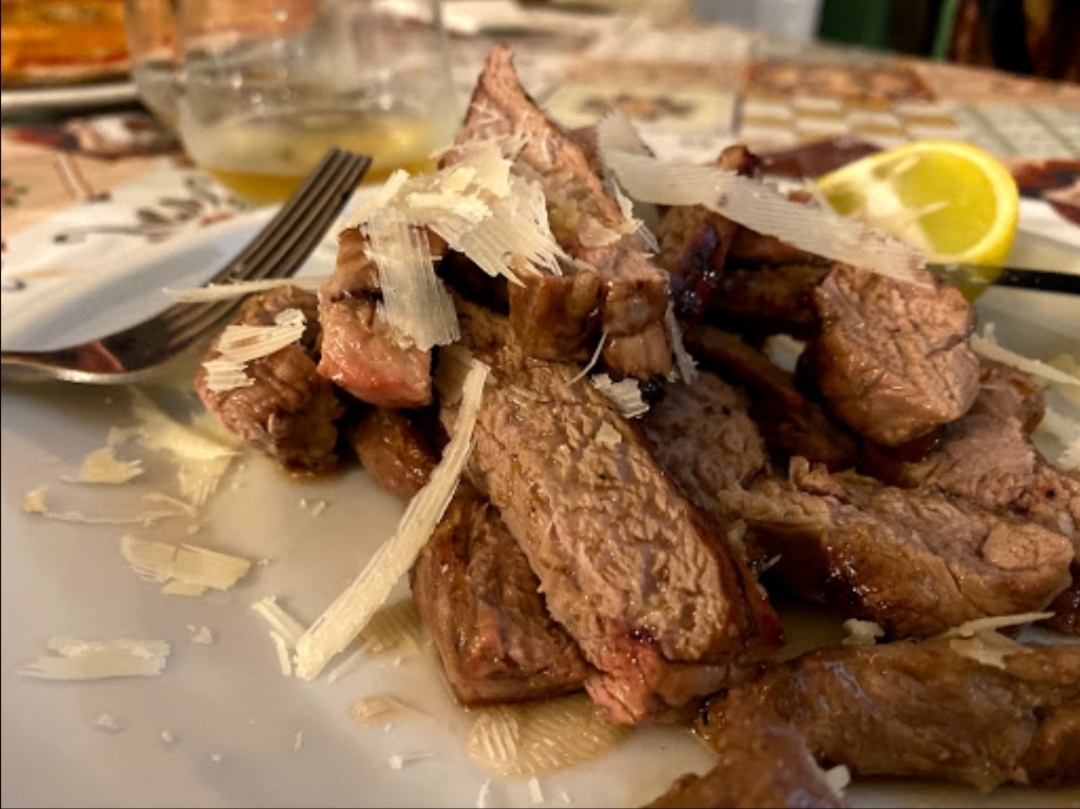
(82, 188)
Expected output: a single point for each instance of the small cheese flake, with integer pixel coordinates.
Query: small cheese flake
(838, 778)
(102, 467)
(183, 569)
(564, 796)
(298, 741)
(239, 289)
(861, 633)
(279, 620)
(608, 437)
(624, 394)
(482, 796)
(343, 620)
(76, 659)
(167, 737)
(201, 636)
(369, 710)
(986, 345)
(239, 344)
(993, 623)
(986, 648)
(35, 501)
(109, 723)
(216, 758)
(284, 655)
(536, 795)
(398, 762)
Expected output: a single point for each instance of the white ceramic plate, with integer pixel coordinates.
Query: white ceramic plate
(83, 95)
(235, 720)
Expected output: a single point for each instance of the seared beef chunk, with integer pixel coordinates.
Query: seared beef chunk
(791, 423)
(394, 451)
(694, 242)
(289, 411)
(916, 562)
(766, 300)
(704, 439)
(983, 711)
(622, 294)
(360, 351)
(986, 458)
(653, 597)
(891, 358)
(481, 602)
(764, 762)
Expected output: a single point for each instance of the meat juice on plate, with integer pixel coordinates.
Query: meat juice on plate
(264, 157)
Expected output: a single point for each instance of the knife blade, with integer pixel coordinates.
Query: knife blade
(1016, 277)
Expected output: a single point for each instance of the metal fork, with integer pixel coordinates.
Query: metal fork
(277, 252)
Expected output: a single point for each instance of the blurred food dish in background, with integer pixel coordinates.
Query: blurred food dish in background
(49, 42)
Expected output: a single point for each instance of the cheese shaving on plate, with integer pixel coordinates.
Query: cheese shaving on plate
(194, 568)
(103, 467)
(75, 659)
(986, 344)
(343, 620)
(755, 205)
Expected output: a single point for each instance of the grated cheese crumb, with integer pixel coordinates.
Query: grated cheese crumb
(76, 659)
(167, 737)
(201, 635)
(298, 741)
(624, 394)
(34, 502)
(536, 796)
(838, 778)
(861, 633)
(109, 723)
(481, 798)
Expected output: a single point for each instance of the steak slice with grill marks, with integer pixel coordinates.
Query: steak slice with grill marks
(289, 411)
(620, 292)
(657, 603)
(770, 299)
(472, 585)
(985, 711)
(892, 359)
(916, 562)
(361, 352)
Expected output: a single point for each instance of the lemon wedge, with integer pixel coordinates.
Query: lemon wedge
(953, 200)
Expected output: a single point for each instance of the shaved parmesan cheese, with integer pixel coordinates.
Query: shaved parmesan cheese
(986, 344)
(103, 467)
(76, 659)
(415, 301)
(393, 628)
(280, 621)
(861, 633)
(239, 344)
(757, 206)
(167, 737)
(108, 722)
(536, 796)
(398, 762)
(683, 361)
(593, 360)
(34, 502)
(541, 737)
(239, 289)
(624, 394)
(201, 635)
(993, 623)
(343, 620)
(193, 568)
(298, 741)
(784, 351)
(284, 655)
(838, 778)
(987, 648)
(369, 710)
(482, 796)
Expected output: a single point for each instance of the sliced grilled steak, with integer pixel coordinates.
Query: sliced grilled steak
(764, 762)
(705, 440)
(655, 600)
(914, 561)
(770, 299)
(626, 295)
(480, 601)
(892, 359)
(694, 242)
(360, 351)
(926, 709)
(289, 411)
(474, 589)
(987, 458)
(791, 423)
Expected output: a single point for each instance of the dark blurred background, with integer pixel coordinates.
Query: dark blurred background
(1031, 37)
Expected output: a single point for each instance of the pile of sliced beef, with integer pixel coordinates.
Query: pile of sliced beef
(889, 475)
